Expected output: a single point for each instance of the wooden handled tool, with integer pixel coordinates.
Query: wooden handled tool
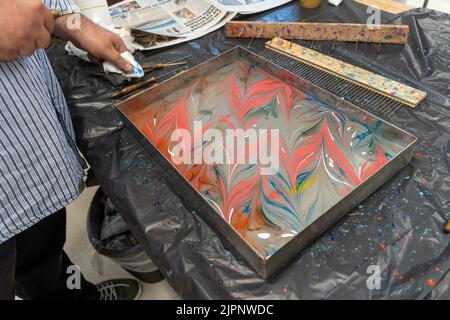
(129, 89)
(162, 66)
(58, 13)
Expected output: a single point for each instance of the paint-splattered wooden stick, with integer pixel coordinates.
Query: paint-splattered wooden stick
(319, 31)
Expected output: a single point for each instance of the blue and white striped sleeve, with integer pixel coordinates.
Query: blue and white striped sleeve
(62, 5)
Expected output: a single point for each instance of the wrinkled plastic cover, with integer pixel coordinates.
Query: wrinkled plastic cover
(398, 229)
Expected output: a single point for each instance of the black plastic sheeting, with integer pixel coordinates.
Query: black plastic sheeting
(399, 229)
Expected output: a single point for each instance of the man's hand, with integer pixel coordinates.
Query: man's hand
(24, 27)
(101, 44)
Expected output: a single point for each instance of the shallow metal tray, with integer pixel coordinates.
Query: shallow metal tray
(267, 267)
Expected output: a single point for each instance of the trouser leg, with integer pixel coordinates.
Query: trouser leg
(7, 269)
(42, 265)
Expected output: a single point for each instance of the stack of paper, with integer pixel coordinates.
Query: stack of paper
(161, 23)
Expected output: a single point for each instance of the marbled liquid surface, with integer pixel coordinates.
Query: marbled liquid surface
(323, 155)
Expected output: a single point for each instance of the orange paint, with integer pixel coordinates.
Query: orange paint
(315, 150)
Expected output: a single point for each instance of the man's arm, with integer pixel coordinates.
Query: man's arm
(26, 25)
(101, 44)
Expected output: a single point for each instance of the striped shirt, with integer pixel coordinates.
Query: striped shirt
(40, 167)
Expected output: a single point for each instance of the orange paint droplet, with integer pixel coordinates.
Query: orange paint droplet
(431, 282)
(419, 154)
(382, 246)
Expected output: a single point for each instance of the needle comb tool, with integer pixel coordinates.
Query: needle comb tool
(132, 88)
(359, 86)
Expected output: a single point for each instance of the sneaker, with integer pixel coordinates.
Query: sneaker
(119, 289)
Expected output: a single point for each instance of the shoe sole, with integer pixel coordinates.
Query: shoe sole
(139, 293)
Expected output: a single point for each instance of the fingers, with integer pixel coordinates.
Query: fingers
(26, 51)
(113, 56)
(49, 21)
(8, 56)
(121, 63)
(105, 45)
(43, 40)
(24, 27)
(95, 60)
(119, 44)
(41, 35)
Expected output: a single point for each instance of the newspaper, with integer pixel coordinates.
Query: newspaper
(250, 6)
(170, 18)
(162, 23)
(146, 41)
